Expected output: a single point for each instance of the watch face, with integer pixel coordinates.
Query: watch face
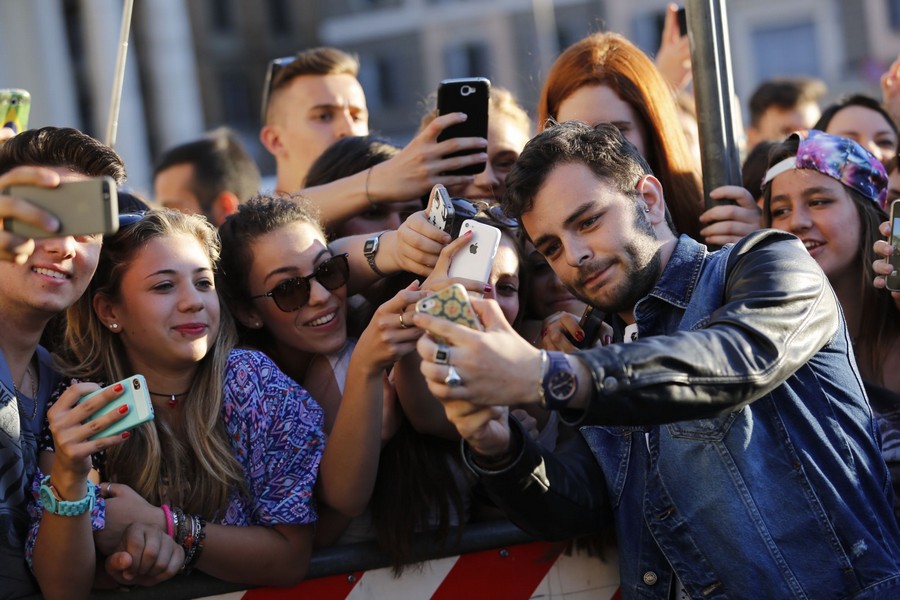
(47, 499)
(370, 246)
(561, 385)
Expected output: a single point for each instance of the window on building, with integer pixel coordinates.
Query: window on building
(221, 14)
(279, 17)
(775, 50)
(894, 13)
(236, 106)
(467, 60)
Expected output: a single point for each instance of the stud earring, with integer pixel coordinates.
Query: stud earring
(114, 326)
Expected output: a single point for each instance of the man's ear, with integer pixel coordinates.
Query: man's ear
(270, 136)
(652, 198)
(226, 203)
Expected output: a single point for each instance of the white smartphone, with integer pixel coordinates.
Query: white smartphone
(476, 260)
(140, 408)
(893, 280)
(83, 207)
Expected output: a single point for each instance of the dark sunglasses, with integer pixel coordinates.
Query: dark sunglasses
(292, 294)
(275, 67)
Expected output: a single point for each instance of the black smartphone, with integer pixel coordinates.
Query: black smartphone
(893, 280)
(682, 21)
(471, 96)
(591, 324)
(83, 207)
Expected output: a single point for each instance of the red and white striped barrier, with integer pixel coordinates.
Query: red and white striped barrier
(536, 570)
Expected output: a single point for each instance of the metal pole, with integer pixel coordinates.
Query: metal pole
(713, 93)
(112, 124)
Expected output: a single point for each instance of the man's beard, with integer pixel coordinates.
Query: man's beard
(641, 271)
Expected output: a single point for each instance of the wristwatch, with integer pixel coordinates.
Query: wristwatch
(558, 381)
(371, 249)
(56, 505)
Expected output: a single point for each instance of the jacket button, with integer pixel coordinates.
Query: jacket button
(650, 578)
(610, 384)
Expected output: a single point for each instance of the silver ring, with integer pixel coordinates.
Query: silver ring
(452, 379)
(402, 324)
(442, 354)
(108, 485)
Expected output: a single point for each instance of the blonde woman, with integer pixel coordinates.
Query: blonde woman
(231, 458)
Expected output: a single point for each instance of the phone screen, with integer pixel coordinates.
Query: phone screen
(682, 21)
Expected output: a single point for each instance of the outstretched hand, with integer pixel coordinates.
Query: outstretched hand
(421, 164)
(673, 59)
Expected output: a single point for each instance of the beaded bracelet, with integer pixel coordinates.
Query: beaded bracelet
(193, 543)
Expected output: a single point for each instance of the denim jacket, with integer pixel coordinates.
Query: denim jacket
(759, 474)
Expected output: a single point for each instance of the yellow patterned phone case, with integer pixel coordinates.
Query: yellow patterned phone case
(451, 303)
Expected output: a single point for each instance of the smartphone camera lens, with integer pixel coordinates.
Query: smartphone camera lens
(136, 383)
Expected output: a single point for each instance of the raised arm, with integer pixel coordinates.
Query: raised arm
(410, 174)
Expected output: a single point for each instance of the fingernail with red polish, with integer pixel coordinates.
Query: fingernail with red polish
(123, 409)
(126, 435)
(119, 387)
(579, 336)
(488, 288)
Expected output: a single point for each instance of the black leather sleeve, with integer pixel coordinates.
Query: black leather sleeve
(551, 496)
(777, 311)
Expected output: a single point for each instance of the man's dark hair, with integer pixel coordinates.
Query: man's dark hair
(62, 147)
(784, 93)
(221, 163)
(603, 149)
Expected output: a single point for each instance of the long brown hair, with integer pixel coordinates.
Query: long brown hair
(610, 60)
(195, 469)
(879, 327)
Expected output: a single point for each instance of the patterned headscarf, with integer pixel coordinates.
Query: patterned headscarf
(840, 158)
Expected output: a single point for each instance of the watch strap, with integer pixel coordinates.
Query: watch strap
(66, 508)
(371, 249)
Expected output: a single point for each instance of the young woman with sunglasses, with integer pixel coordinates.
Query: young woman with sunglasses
(191, 487)
(289, 294)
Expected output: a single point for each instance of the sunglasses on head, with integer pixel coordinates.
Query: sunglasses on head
(275, 67)
(292, 294)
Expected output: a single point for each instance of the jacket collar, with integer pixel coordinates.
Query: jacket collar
(681, 273)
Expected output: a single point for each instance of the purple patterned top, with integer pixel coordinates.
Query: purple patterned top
(275, 429)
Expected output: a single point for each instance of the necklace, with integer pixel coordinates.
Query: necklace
(33, 393)
(172, 398)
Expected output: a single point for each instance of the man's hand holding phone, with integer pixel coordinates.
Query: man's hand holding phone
(17, 248)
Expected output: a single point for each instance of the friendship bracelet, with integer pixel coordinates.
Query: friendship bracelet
(170, 520)
(368, 197)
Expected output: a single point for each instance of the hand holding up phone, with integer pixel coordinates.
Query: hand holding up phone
(17, 248)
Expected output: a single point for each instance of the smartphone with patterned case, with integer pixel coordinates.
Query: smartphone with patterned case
(440, 208)
(451, 303)
(15, 106)
(140, 408)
